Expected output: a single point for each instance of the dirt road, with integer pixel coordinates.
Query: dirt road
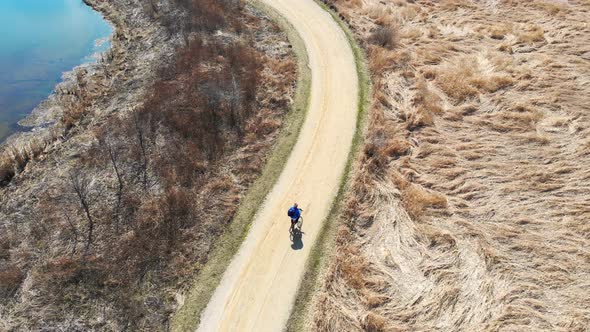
(259, 287)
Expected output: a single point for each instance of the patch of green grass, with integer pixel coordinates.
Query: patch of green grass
(188, 316)
(316, 264)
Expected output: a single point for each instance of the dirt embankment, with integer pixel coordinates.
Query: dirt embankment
(114, 202)
(469, 211)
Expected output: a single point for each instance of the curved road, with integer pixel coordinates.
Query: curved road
(259, 287)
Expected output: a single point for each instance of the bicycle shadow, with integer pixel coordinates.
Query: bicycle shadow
(297, 240)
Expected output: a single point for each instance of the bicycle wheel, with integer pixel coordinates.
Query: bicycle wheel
(299, 223)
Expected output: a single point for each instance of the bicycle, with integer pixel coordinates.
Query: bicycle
(295, 229)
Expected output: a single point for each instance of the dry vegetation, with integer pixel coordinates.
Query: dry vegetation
(121, 209)
(471, 204)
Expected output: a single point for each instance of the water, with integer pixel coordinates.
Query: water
(39, 40)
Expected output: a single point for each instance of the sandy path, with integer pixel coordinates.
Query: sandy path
(259, 287)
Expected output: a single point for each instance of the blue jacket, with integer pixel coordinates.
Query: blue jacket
(295, 213)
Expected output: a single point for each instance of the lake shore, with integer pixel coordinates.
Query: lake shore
(43, 41)
(114, 82)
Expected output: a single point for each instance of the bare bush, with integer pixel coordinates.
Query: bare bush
(81, 187)
(6, 170)
(385, 36)
(374, 323)
(11, 277)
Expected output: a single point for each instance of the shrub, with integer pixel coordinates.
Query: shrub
(6, 170)
(4, 247)
(492, 83)
(397, 147)
(455, 83)
(82, 274)
(20, 158)
(36, 147)
(499, 32)
(205, 15)
(385, 36)
(532, 34)
(71, 115)
(463, 79)
(416, 200)
(418, 118)
(552, 8)
(374, 322)
(11, 277)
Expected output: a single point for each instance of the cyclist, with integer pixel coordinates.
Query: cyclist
(294, 213)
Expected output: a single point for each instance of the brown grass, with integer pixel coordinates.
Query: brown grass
(531, 34)
(374, 323)
(454, 84)
(476, 219)
(426, 104)
(416, 200)
(464, 79)
(500, 31)
(382, 60)
(551, 7)
(396, 147)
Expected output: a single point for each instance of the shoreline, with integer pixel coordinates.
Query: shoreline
(101, 68)
(33, 120)
(88, 62)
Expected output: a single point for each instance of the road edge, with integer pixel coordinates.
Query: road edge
(188, 316)
(315, 266)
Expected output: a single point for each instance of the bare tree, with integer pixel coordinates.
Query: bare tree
(235, 102)
(113, 154)
(141, 140)
(211, 121)
(80, 184)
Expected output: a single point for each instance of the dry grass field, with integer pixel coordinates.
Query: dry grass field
(471, 207)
